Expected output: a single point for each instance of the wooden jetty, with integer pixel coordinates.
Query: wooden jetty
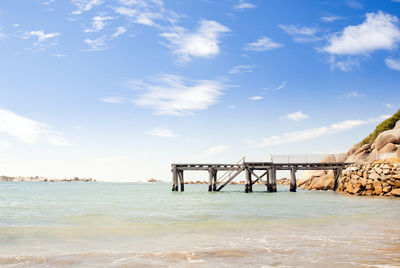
(292, 163)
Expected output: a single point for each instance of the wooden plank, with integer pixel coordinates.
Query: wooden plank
(230, 179)
(174, 178)
(260, 178)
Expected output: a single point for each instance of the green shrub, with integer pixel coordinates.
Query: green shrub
(385, 125)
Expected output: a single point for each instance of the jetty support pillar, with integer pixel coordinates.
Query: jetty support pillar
(272, 177)
(293, 183)
(248, 186)
(181, 180)
(174, 179)
(214, 185)
(337, 173)
(210, 178)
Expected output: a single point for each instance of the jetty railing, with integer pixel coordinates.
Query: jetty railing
(308, 158)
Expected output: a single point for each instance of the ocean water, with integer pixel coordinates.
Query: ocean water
(147, 225)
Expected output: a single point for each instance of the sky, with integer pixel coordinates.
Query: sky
(117, 90)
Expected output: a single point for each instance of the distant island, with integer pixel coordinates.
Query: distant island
(43, 179)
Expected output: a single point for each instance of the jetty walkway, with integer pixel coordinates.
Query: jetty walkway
(268, 171)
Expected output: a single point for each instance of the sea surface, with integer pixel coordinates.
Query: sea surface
(146, 225)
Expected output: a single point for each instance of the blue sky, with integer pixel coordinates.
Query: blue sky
(119, 89)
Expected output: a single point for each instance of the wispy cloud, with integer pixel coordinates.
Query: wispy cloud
(297, 116)
(301, 34)
(97, 44)
(331, 18)
(256, 98)
(242, 69)
(216, 149)
(29, 131)
(113, 99)
(120, 31)
(175, 95)
(284, 83)
(312, 133)
(262, 44)
(354, 4)
(2, 35)
(352, 94)
(42, 40)
(343, 64)
(393, 64)
(162, 132)
(203, 43)
(41, 36)
(243, 4)
(85, 5)
(388, 105)
(98, 23)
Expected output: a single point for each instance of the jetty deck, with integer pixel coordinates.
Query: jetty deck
(293, 163)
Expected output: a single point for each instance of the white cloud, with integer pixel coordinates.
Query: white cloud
(175, 95)
(354, 4)
(162, 132)
(216, 149)
(388, 105)
(113, 99)
(46, 3)
(97, 44)
(313, 133)
(4, 144)
(98, 23)
(256, 98)
(242, 69)
(301, 34)
(297, 116)
(232, 107)
(15, 25)
(120, 30)
(393, 64)
(243, 4)
(85, 5)
(262, 44)
(41, 36)
(204, 42)
(352, 94)
(29, 131)
(379, 31)
(331, 18)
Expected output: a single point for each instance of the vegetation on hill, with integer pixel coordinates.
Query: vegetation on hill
(385, 125)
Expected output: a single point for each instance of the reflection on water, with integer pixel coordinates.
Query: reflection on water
(147, 225)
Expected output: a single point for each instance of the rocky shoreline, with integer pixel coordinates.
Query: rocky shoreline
(380, 179)
(43, 179)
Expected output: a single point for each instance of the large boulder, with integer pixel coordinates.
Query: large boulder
(388, 136)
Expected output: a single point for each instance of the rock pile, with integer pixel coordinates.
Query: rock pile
(368, 179)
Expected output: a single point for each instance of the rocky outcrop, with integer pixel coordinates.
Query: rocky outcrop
(386, 143)
(368, 179)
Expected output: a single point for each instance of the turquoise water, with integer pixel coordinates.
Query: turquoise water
(147, 225)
